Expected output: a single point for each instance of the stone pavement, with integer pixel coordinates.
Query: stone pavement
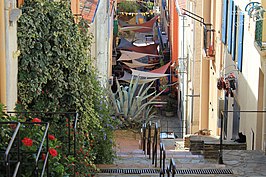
(243, 163)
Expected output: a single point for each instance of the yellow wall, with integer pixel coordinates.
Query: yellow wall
(2, 55)
(75, 9)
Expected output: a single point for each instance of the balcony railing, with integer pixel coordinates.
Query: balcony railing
(258, 36)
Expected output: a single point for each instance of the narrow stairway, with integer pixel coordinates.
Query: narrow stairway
(131, 160)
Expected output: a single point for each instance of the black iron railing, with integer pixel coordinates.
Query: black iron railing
(149, 140)
(42, 147)
(154, 145)
(14, 150)
(171, 168)
(45, 137)
(60, 121)
(143, 138)
(162, 159)
(259, 34)
(65, 124)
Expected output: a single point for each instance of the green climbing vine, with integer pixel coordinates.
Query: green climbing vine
(56, 74)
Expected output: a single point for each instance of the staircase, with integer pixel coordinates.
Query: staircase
(131, 161)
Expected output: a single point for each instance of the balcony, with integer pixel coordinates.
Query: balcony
(260, 44)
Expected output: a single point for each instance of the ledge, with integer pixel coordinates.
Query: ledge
(262, 51)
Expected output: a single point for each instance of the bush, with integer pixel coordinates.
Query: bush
(56, 74)
(128, 6)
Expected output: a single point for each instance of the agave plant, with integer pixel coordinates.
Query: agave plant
(130, 102)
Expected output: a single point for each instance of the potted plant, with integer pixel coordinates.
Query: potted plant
(171, 105)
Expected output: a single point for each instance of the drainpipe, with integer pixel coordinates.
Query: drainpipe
(2, 54)
(183, 113)
(192, 74)
(183, 107)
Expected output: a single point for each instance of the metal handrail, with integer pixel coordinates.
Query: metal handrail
(41, 145)
(171, 169)
(10, 144)
(16, 170)
(162, 159)
(45, 135)
(154, 145)
(44, 165)
(53, 113)
(12, 139)
(144, 138)
(75, 122)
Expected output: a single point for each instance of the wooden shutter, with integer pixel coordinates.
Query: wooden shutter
(240, 41)
(230, 25)
(224, 21)
(234, 33)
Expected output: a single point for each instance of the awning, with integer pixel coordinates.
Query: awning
(129, 55)
(88, 9)
(137, 64)
(147, 74)
(150, 49)
(127, 78)
(135, 28)
(146, 27)
(162, 69)
(149, 24)
(124, 44)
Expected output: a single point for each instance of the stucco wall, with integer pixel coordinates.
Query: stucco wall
(101, 52)
(2, 55)
(250, 85)
(11, 57)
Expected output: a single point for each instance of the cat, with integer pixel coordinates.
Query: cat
(242, 138)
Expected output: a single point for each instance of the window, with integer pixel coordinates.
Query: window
(230, 25)
(224, 21)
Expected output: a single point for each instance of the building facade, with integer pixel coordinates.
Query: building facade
(225, 49)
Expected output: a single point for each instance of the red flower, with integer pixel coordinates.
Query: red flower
(51, 137)
(43, 156)
(53, 152)
(36, 120)
(27, 141)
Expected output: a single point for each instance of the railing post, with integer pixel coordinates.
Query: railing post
(221, 141)
(162, 159)
(154, 145)
(149, 140)
(144, 138)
